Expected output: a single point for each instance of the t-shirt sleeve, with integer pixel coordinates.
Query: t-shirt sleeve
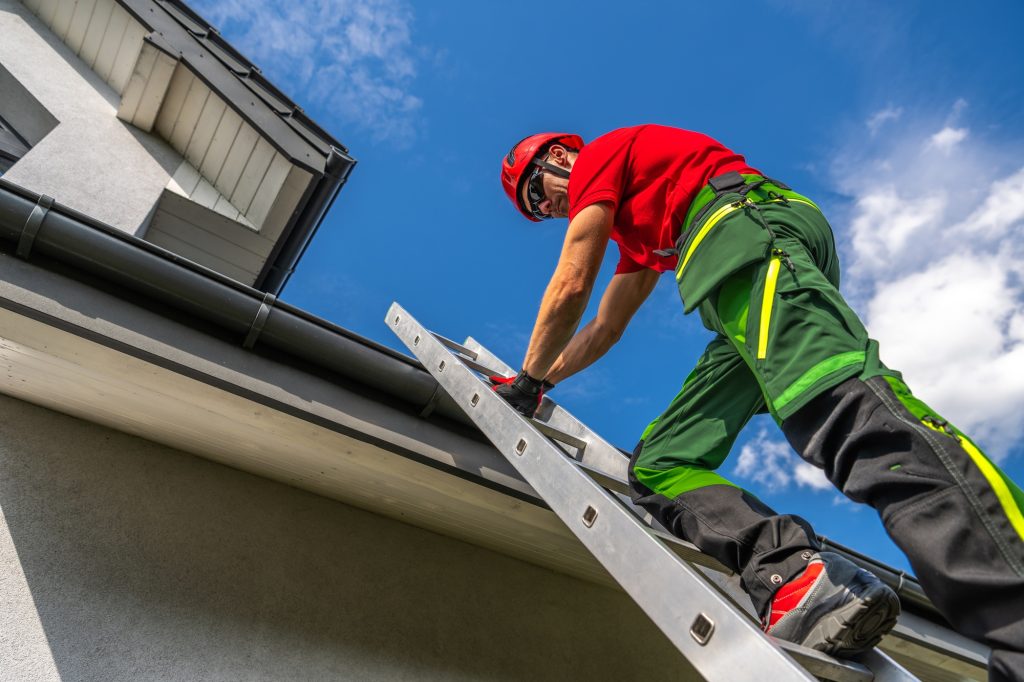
(599, 173)
(627, 265)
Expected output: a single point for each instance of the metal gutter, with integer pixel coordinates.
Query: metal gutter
(36, 225)
(255, 317)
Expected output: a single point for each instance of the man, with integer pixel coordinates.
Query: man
(758, 261)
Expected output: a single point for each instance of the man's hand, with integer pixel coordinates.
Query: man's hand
(522, 391)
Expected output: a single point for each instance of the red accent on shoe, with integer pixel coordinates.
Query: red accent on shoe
(789, 595)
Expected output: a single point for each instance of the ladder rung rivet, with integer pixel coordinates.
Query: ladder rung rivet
(521, 446)
(416, 341)
(397, 318)
(440, 368)
(702, 629)
(589, 516)
(475, 399)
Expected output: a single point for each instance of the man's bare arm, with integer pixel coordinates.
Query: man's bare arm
(622, 298)
(569, 290)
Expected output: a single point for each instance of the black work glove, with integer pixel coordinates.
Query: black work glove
(522, 391)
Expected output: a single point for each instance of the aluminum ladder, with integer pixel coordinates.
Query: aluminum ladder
(583, 479)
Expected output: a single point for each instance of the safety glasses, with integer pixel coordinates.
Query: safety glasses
(535, 193)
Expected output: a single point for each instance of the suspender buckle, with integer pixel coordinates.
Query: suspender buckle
(727, 182)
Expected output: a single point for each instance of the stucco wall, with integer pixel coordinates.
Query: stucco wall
(121, 559)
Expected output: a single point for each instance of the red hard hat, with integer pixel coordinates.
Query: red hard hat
(515, 167)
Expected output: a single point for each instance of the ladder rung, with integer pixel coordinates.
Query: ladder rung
(604, 480)
(468, 356)
(477, 367)
(455, 346)
(561, 436)
(824, 666)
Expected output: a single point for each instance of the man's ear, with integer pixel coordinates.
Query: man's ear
(559, 155)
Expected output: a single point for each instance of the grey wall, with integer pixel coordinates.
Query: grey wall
(121, 559)
(23, 111)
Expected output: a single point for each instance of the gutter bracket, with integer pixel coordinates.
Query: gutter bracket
(32, 225)
(261, 319)
(431, 405)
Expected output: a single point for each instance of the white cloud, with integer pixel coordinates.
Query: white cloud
(773, 465)
(355, 56)
(1002, 210)
(954, 330)
(936, 235)
(809, 476)
(957, 111)
(888, 225)
(880, 118)
(948, 138)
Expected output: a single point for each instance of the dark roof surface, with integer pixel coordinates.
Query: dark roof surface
(179, 31)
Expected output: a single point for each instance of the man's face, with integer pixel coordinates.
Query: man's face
(554, 191)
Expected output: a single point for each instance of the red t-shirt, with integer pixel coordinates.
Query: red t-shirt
(650, 174)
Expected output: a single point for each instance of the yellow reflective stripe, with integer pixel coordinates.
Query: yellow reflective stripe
(766, 307)
(799, 201)
(712, 221)
(991, 474)
(721, 213)
(999, 486)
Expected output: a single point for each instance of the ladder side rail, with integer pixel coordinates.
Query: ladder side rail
(702, 624)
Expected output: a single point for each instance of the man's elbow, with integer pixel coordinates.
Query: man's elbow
(609, 332)
(573, 292)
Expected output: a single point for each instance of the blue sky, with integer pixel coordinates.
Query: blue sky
(904, 121)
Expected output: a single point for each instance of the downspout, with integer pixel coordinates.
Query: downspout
(286, 255)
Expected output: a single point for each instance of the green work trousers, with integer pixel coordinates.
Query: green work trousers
(764, 276)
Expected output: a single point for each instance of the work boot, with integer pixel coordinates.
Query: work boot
(833, 606)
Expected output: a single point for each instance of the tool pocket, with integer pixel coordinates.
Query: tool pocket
(768, 294)
(729, 240)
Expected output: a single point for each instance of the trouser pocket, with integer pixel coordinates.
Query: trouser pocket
(791, 326)
(768, 292)
(729, 240)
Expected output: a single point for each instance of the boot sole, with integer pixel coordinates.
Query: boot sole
(858, 626)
